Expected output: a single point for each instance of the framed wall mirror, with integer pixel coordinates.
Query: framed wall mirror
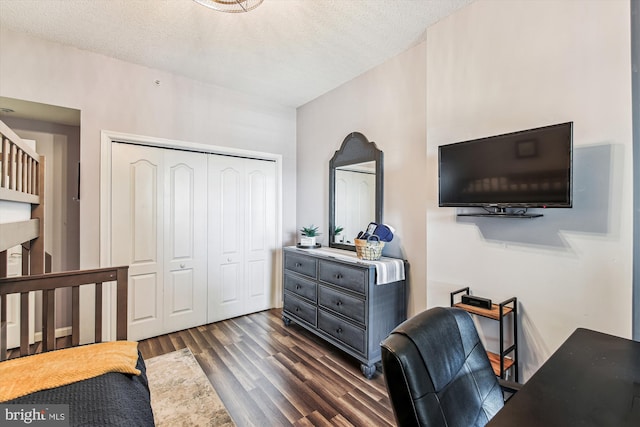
(355, 190)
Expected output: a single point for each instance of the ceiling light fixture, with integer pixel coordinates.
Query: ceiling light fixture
(231, 6)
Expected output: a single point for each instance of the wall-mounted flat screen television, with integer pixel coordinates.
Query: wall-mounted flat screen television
(525, 169)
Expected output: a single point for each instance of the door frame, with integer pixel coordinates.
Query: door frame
(107, 138)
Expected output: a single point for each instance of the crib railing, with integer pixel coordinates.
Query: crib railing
(48, 283)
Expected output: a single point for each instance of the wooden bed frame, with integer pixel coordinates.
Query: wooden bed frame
(22, 181)
(48, 283)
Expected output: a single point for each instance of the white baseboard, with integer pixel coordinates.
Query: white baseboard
(60, 332)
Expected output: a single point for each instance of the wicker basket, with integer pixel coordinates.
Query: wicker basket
(370, 249)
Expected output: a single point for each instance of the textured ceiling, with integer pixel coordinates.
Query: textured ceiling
(288, 51)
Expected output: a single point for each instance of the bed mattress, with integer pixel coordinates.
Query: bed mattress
(112, 399)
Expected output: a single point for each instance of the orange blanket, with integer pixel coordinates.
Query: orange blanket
(25, 375)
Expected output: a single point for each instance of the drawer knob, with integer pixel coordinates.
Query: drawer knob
(182, 265)
(339, 303)
(298, 264)
(297, 309)
(338, 276)
(298, 286)
(339, 330)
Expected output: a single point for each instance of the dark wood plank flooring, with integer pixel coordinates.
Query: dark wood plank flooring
(268, 374)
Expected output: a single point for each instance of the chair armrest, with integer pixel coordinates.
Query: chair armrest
(509, 387)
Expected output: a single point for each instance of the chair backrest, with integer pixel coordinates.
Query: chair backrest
(437, 371)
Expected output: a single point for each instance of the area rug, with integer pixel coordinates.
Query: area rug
(181, 394)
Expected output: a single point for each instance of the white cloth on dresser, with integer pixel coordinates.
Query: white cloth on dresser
(388, 270)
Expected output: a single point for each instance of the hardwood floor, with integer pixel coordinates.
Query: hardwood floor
(271, 375)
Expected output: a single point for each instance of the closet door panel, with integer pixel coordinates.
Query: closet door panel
(185, 242)
(143, 297)
(230, 210)
(257, 271)
(137, 218)
(230, 284)
(226, 234)
(260, 240)
(182, 290)
(145, 202)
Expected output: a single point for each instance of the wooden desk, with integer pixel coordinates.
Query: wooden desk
(593, 379)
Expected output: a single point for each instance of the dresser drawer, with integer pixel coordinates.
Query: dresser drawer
(342, 330)
(339, 302)
(299, 308)
(346, 277)
(300, 264)
(299, 286)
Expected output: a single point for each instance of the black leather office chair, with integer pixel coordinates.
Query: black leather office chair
(437, 372)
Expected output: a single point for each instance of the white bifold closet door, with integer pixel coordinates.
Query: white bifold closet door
(198, 232)
(159, 229)
(242, 236)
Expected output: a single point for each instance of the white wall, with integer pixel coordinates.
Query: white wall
(501, 66)
(387, 105)
(490, 68)
(123, 97)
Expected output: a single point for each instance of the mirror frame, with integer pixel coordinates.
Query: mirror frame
(355, 148)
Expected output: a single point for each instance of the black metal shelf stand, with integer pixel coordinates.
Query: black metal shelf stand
(498, 312)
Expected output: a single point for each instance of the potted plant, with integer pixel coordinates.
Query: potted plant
(309, 235)
(337, 234)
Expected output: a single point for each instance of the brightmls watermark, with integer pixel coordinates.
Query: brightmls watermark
(34, 415)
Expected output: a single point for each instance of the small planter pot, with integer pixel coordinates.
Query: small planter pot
(308, 241)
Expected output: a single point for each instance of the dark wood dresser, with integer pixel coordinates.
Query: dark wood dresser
(336, 296)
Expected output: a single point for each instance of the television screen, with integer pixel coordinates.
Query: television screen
(530, 168)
